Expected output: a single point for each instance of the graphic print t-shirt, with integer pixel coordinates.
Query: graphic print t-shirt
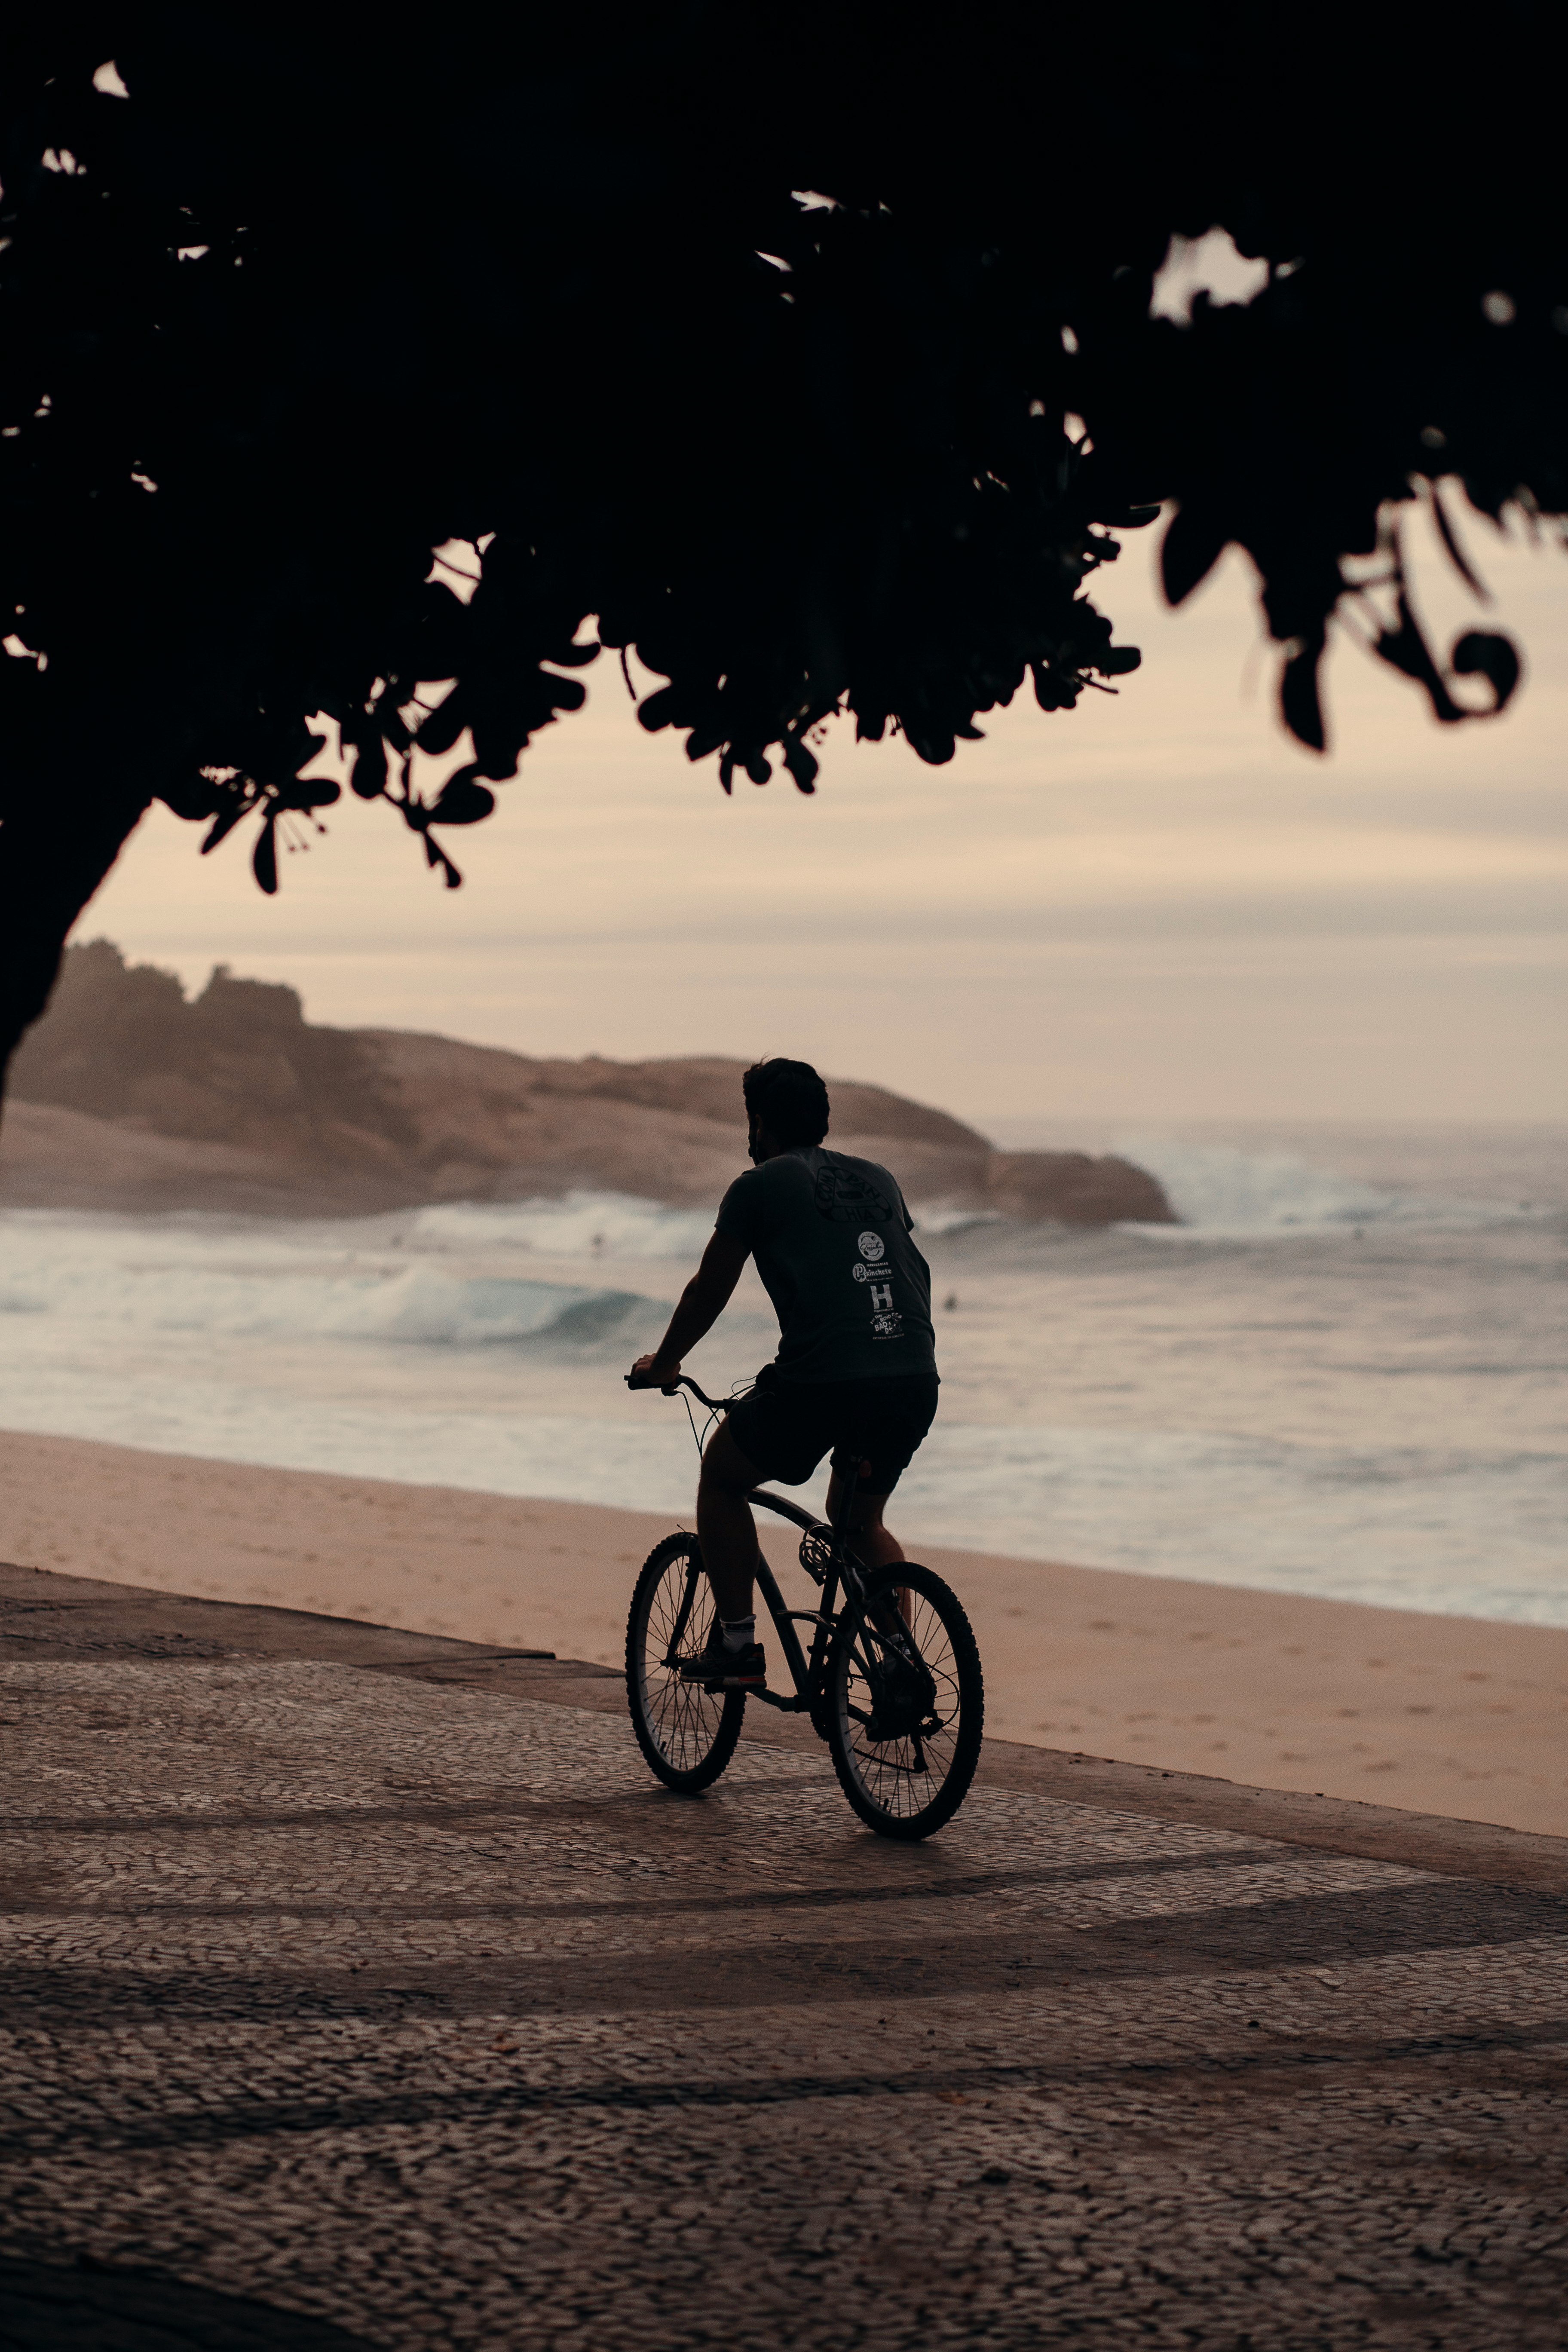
(831, 1237)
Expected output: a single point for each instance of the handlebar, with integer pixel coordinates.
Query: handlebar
(714, 1404)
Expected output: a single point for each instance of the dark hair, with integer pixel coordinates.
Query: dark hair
(788, 1098)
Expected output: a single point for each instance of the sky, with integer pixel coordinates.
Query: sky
(1157, 907)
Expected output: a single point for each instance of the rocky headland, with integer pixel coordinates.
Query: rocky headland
(128, 1096)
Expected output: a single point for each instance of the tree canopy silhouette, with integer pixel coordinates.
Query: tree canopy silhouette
(807, 348)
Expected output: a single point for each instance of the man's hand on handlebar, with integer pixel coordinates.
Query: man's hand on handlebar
(652, 1372)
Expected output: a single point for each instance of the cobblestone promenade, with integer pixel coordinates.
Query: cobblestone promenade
(391, 2002)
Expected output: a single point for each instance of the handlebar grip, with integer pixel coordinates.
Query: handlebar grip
(714, 1404)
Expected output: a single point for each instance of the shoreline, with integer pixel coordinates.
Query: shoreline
(1454, 1716)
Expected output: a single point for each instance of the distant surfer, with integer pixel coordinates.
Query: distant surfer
(857, 1357)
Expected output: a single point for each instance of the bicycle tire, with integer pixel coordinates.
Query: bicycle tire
(686, 1734)
(908, 1783)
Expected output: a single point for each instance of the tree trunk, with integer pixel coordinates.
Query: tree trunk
(55, 849)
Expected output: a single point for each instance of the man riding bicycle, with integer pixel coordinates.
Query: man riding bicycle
(856, 1369)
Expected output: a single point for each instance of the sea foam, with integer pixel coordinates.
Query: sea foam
(1222, 1192)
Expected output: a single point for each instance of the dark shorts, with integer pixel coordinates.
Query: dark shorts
(784, 1429)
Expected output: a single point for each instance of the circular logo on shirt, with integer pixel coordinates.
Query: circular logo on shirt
(872, 1248)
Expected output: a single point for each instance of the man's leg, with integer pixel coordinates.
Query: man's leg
(725, 1527)
(876, 1544)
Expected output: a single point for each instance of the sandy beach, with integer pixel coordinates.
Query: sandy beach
(1443, 1714)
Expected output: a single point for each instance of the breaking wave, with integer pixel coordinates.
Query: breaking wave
(258, 1283)
(1222, 1192)
(583, 1224)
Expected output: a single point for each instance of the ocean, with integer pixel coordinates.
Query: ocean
(1345, 1373)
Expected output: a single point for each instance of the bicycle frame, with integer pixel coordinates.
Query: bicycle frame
(807, 1674)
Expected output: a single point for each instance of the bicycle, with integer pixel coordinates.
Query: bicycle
(893, 1682)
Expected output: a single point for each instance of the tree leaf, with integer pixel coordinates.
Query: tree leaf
(462, 801)
(222, 825)
(192, 797)
(801, 763)
(264, 857)
(1485, 653)
(441, 727)
(1189, 552)
(1405, 648)
(369, 777)
(1457, 555)
(1300, 704)
(1052, 691)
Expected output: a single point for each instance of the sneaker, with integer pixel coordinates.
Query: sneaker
(723, 1669)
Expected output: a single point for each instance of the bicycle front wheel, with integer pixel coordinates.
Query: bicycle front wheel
(906, 1704)
(687, 1734)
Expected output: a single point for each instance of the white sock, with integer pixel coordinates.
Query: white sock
(739, 1631)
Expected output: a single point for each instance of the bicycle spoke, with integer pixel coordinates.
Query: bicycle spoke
(687, 1733)
(684, 1718)
(901, 1745)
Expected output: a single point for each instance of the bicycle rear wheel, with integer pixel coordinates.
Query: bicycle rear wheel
(687, 1734)
(906, 1707)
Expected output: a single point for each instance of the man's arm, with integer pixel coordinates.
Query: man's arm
(700, 1304)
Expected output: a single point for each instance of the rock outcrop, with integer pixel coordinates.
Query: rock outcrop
(127, 1095)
